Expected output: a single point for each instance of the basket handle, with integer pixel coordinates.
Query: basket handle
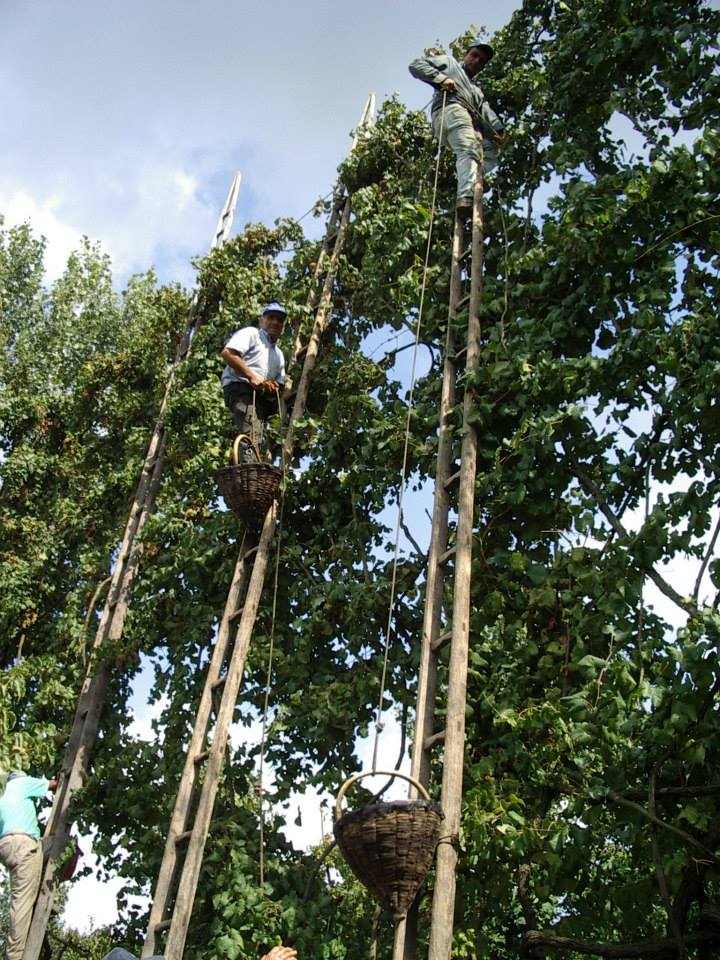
(236, 447)
(376, 773)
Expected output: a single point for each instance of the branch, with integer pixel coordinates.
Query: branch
(706, 559)
(303, 569)
(315, 867)
(688, 226)
(706, 790)
(686, 837)
(363, 553)
(420, 552)
(663, 586)
(90, 610)
(660, 873)
(656, 949)
(692, 885)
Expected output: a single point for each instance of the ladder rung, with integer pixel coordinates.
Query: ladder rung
(201, 757)
(163, 925)
(452, 479)
(236, 613)
(442, 641)
(466, 254)
(182, 837)
(249, 553)
(219, 682)
(443, 559)
(462, 302)
(433, 740)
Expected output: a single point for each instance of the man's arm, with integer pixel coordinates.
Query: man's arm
(430, 70)
(492, 124)
(233, 359)
(36, 786)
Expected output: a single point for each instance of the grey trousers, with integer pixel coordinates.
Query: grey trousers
(464, 140)
(247, 420)
(22, 855)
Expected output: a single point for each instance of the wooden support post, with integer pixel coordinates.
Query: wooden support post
(399, 939)
(181, 812)
(182, 909)
(444, 895)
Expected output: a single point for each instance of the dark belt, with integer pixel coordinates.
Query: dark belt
(266, 406)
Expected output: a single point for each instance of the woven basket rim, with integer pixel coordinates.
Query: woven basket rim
(254, 467)
(392, 806)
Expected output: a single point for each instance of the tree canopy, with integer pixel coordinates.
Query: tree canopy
(591, 822)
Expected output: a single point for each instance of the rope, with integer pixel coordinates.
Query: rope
(403, 475)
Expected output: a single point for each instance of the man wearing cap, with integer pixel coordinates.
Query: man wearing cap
(21, 851)
(461, 114)
(254, 375)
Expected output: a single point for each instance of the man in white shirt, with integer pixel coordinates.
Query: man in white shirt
(254, 375)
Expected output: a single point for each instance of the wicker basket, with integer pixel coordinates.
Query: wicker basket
(390, 846)
(249, 488)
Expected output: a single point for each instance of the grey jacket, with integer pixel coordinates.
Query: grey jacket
(434, 70)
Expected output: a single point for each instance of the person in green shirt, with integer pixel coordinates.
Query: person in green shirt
(20, 851)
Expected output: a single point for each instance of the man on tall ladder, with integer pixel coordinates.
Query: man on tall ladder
(460, 110)
(254, 375)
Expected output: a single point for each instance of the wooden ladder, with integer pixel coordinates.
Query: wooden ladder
(177, 881)
(451, 628)
(83, 734)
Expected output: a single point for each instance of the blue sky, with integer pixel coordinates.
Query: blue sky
(125, 121)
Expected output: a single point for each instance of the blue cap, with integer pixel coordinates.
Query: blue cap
(15, 774)
(274, 307)
(479, 42)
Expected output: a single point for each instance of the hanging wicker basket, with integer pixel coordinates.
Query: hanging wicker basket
(389, 846)
(249, 488)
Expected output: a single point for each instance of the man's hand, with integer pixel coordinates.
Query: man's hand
(281, 953)
(499, 138)
(52, 784)
(448, 85)
(270, 386)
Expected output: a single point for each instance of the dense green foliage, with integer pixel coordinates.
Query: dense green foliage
(591, 791)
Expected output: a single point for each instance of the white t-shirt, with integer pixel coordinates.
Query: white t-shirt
(264, 357)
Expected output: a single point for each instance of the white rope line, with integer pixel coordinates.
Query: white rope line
(403, 476)
(268, 680)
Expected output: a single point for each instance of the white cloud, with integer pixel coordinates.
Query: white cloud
(43, 215)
